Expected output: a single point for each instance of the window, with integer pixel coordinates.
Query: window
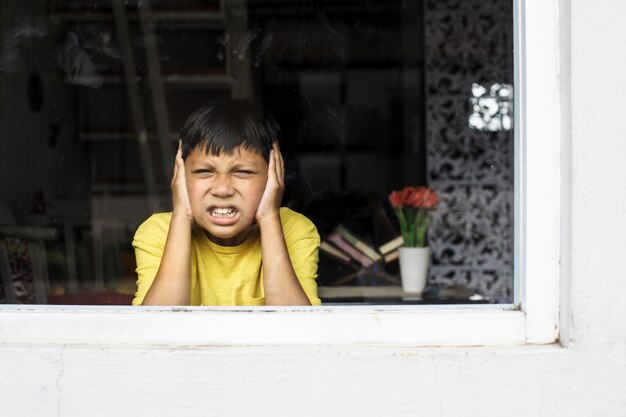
(534, 320)
(354, 85)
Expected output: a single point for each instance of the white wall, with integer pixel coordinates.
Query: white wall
(586, 379)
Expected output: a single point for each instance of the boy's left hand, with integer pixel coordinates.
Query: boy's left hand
(274, 188)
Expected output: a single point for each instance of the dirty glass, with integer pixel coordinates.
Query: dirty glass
(371, 96)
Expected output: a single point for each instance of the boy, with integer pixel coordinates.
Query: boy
(227, 241)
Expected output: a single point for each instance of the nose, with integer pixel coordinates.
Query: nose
(222, 186)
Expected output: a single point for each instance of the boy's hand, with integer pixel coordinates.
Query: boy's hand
(269, 205)
(180, 196)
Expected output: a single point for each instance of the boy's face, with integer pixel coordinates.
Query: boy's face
(224, 192)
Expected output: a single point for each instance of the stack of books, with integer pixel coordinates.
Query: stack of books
(344, 246)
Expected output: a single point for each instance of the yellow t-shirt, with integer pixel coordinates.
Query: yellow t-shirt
(228, 275)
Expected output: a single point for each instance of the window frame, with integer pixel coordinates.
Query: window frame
(532, 319)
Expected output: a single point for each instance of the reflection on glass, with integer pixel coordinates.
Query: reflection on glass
(370, 95)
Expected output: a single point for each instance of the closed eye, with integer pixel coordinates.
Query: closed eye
(201, 171)
(244, 173)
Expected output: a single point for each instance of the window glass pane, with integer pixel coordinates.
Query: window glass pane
(371, 96)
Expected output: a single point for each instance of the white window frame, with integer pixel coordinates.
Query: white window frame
(533, 319)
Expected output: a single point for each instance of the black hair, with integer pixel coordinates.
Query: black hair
(227, 124)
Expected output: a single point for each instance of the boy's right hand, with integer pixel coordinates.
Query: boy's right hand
(180, 196)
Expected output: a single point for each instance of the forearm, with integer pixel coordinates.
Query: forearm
(279, 278)
(172, 284)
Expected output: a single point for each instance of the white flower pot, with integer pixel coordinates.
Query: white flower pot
(414, 268)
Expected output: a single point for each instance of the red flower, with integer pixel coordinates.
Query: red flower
(423, 198)
(412, 206)
(414, 197)
(397, 199)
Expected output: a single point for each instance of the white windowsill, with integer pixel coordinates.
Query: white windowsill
(211, 326)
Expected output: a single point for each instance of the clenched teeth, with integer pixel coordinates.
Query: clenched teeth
(223, 212)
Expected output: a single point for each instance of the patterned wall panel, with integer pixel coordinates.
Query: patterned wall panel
(472, 231)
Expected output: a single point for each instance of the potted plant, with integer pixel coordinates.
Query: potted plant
(413, 206)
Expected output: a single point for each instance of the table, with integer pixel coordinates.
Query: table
(394, 295)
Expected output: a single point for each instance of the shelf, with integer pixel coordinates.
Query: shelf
(348, 65)
(391, 294)
(205, 17)
(207, 81)
(201, 80)
(29, 232)
(362, 291)
(186, 44)
(103, 136)
(117, 188)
